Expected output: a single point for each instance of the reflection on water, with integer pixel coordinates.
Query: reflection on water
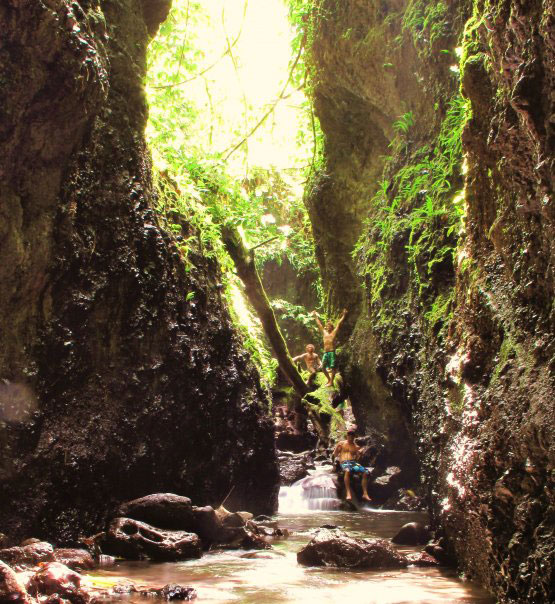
(227, 577)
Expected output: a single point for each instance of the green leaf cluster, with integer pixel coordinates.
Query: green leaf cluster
(417, 212)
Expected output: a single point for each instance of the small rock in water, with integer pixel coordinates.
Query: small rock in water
(172, 591)
(440, 554)
(336, 548)
(76, 559)
(412, 533)
(422, 559)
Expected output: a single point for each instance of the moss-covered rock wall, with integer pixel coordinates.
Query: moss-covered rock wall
(114, 383)
(438, 119)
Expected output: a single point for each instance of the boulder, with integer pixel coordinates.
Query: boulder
(76, 559)
(54, 578)
(440, 553)
(31, 554)
(137, 540)
(227, 529)
(413, 533)
(385, 485)
(332, 547)
(233, 519)
(405, 500)
(164, 510)
(292, 468)
(422, 559)
(12, 589)
(206, 524)
(287, 441)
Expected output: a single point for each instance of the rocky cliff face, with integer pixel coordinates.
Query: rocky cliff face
(115, 383)
(452, 352)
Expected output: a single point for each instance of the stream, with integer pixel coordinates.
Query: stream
(267, 577)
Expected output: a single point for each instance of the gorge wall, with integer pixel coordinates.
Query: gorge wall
(114, 383)
(439, 120)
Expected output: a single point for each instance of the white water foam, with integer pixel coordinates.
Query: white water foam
(317, 491)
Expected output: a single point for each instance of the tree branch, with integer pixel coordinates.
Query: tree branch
(281, 96)
(216, 62)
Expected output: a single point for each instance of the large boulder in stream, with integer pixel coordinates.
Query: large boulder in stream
(164, 510)
(332, 547)
(136, 540)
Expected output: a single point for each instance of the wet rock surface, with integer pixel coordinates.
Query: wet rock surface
(412, 533)
(136, 540)
(333, 547)
(11, 588)
(76, 559)
(164, 510)
(172, 591)
(464, 396)
(422, 559)
(54, 578)
(31, 554)
(136, 364)
(293, 467)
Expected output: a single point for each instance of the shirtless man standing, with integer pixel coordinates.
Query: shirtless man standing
(329, 333)
(311, 359)
(348, 452)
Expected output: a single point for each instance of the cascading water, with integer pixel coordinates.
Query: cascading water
(315, 492)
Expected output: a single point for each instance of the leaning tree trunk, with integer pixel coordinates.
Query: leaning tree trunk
(243, 259)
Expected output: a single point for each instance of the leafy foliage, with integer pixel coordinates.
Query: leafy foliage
(426, 21)
(417, 212)
(200, 190)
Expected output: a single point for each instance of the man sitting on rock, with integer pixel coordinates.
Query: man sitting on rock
(348, 452)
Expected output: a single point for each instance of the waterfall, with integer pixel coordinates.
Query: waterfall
(315, 492)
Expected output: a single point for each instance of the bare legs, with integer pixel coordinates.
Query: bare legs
(330, 378)
(365, 495)
(347, 480)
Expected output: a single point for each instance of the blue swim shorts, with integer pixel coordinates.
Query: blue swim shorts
(354, 466)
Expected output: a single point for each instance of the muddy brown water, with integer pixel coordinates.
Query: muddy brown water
(226, 576)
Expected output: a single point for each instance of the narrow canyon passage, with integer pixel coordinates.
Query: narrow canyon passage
(270, 267)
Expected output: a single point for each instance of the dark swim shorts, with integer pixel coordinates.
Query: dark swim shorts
(328, 360)
(353, 466)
